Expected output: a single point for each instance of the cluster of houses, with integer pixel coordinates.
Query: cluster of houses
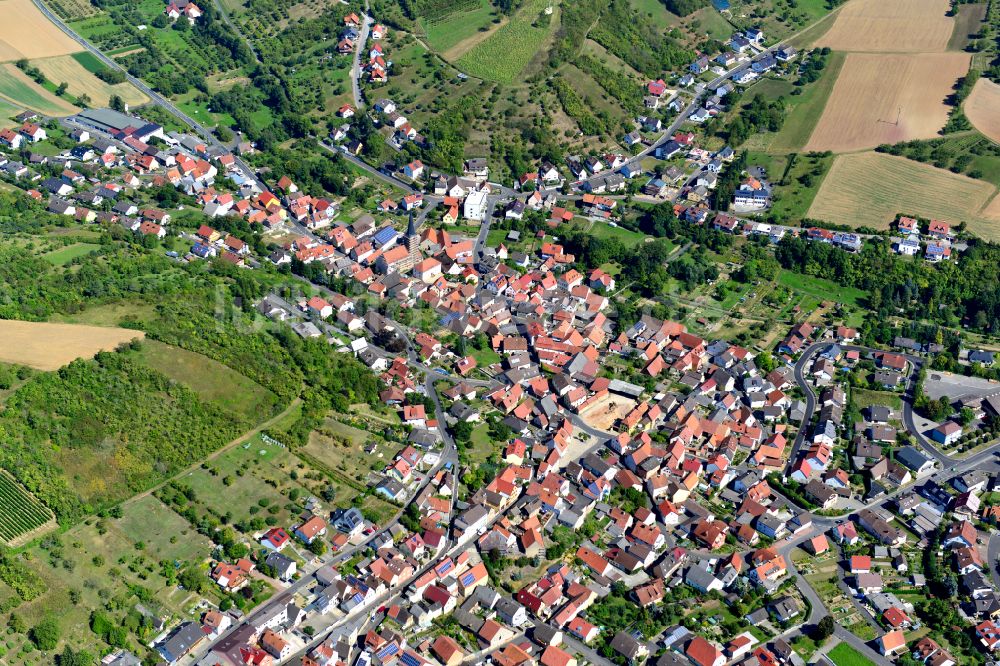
(935, 240)
(116, 158)
(175, 9)
(377, 67)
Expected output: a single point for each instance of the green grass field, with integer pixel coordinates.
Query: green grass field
(17, 90)
(844, 655)
(655, 10)
(820, 288)
(710, 23)
(89, 61)
(864, 398)
(509, 50)
(794, 194)
(64, 255)
(444, 33)
(804, 110)
(211, 380)
(627, 237)
(237, 481)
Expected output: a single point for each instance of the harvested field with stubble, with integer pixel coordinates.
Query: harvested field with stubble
(48, 346)
(891, 26)
(81, 81)
(26, 33)
(992, 210)
(982, 108)
(887, 98)
(870, 189)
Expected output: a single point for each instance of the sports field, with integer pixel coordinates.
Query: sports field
(80, 81)
(982, 108)
(17, 88)
(870, 189)
(891, 26)
(48, 346)
(26, 33)
(887, 98)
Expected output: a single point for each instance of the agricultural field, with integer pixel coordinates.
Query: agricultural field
(982, 108)
(455, 32)
(508, 51)
(967, 23)
(901, 26)
(73, 10)
(211, 380)
(870, 189)
(887, 99)
(49, 346)
(804, 111)
(26, 33)
(969, 152)
(17, 88)
(81, 81)
(992, 210)
(21, 514)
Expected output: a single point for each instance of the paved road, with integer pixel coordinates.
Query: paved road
(156, 97)
(219, 7)
(366, 24)
(372, 171)
(484, 229)
(992, 557)
(802, 367)
(805, 360)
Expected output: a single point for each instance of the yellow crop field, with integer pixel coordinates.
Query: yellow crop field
(887, 98)
(870, 189)
(891, 26)
(49, 346)
(67, 69)
(26, 33)
(982, 108)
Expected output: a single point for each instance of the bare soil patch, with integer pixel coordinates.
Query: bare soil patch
(606, 411)
(887, 99)
(49, 346)
(891, 26)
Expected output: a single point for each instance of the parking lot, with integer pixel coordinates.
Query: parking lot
(955, 386)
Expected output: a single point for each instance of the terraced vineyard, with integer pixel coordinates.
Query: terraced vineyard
(20, 513)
